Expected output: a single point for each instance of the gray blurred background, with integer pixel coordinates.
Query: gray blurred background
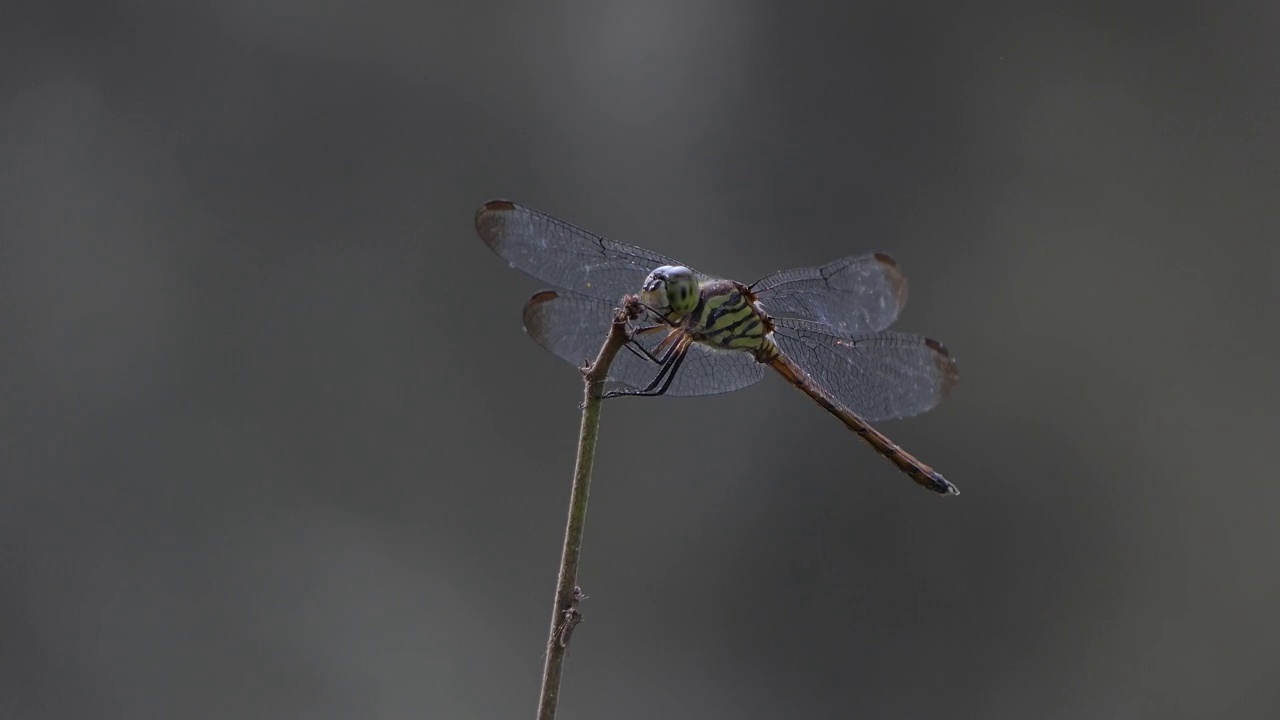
(273, 443)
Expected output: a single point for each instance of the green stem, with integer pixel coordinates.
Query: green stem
(564, 613)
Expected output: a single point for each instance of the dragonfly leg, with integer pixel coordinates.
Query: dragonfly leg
(642, 352)
(672, 360)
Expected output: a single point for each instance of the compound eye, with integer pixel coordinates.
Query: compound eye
(682, 288)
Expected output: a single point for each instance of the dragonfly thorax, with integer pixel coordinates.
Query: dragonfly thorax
(671, 291)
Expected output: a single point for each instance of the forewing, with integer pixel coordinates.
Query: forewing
(879, 376)
(853, 295)
(573, 327)
(563, 254)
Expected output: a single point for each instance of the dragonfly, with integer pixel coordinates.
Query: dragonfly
(823, 328)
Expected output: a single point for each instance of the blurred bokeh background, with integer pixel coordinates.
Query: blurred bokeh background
(273, 443)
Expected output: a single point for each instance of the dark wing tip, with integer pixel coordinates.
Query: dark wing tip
(893, 273)
(487, 211)
(886, 259)
(543, 296)
(496, 205)
(947, 370)
(532, 310)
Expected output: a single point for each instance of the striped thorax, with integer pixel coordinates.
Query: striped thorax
(720, 313)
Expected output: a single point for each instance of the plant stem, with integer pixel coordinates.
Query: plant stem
(564, 613)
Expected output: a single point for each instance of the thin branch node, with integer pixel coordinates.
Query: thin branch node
(565, 614)
(571, 619)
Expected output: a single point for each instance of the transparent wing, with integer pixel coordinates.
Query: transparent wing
(856, 294)
(879, 376)
(573, 327)
(565, 255)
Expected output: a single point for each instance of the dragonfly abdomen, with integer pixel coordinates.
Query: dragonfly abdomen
(906, 462)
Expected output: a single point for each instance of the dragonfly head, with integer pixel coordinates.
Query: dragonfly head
(671, 290)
